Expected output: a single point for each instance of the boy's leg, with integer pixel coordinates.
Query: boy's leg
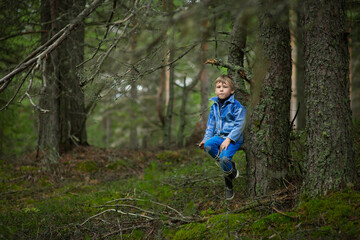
(229, 168)
(212, 146)
(226, 156)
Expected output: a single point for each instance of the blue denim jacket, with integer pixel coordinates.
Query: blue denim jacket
(229, 121)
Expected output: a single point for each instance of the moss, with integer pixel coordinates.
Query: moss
(216, 227)
(273, 224)
(338, 212)
(87, 166)
(117, 164)
(135, 234)
(172, 156)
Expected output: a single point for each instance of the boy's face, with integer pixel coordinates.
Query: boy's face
(223, 90)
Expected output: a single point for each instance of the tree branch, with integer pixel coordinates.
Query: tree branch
(238, 69)
(65, 32)
(21, 33)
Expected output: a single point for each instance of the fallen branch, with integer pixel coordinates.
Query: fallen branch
(278, 211)
(269, 200)
(144, 200)
(143, 213)
(118, 211)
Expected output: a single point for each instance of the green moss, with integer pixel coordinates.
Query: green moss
(337, 212)
(171, 156)
(29, 169)
(87, 166)
(273, 224)
(216, 227)
(136, 234)
(117, 164)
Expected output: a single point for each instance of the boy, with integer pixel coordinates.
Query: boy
(224, 132)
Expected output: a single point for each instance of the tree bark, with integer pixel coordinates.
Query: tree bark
(204, 78)
(236, 54)
(355, 60)
(170, 103)
(72, 101)
(180, 141)
(49, 126)
(330, 162)
(267, 133)
(200, 127)
(300, 71)
(134, 141)
(64, 126)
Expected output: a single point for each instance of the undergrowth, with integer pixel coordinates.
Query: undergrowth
(156, 195)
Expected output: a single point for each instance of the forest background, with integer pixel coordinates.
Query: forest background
(136, 76)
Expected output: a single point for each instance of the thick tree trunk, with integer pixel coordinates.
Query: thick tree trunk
(267, 133)
(64, 125)
(49, 126)
(330, 162)
(72, 113)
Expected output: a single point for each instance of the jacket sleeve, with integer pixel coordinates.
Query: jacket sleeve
(211, 124)
(239, 123)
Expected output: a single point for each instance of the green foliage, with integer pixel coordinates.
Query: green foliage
(18, 129)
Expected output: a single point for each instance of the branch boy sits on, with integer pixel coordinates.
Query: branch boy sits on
(224, 132)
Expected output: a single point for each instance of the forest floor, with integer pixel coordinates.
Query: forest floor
(94, 193)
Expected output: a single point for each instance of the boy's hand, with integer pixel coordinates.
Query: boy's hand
(201, 145)
(225, 144)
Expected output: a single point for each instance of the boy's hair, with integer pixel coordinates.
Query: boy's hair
(226, 79)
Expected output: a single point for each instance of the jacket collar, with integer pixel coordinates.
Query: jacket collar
(216, 99)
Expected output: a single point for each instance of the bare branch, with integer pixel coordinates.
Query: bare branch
(238, 69)
(103, 58)
(21, 33)
(36, 106)
(65, 32)
(18, 89)
(119, 211)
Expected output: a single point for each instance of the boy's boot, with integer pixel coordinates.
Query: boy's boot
(229, 189)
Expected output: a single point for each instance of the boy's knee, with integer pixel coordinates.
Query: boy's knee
(224, 159)
(226, 163)
(207, 147)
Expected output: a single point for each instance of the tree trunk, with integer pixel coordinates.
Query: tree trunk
(170, 103)
(330, 162)
(180, 141)
(236, 53)
(355, 60)
(49, 126)
(200, 127)
(72, 103)
(64, 126)
(134, 141)
(300, 71)
(267, 133)
(204, 78)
